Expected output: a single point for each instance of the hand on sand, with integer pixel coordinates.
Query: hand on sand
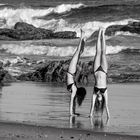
(75, 114)
(90, 116)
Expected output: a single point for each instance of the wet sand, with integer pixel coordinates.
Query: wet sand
(30, 110)
(13, 131)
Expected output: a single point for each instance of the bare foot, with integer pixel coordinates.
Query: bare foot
(83, 36)
(103, 29)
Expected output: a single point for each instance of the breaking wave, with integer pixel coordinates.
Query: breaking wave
(24, 49)
(10, 16)
(31, 15)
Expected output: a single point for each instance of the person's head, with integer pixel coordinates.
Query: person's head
(100, 102)
(80, 95)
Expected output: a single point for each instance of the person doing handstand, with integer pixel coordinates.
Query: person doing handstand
(77, 93)
(100, 67)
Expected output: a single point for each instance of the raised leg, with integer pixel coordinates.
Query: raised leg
(97, 58)
(104, 63)
(75, 58)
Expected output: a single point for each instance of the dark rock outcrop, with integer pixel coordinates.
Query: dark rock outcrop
(55, 71)
(111, 30)
(24, 31)
(66, 34)
(5, 77)
(133, 27)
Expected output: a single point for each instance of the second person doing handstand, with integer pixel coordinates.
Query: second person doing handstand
(100, 67)
(77, 93)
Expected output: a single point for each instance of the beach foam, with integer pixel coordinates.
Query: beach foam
(38, 17)
(48, 50)
(29, 15)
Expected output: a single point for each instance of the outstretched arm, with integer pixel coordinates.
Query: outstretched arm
(72, 101)
(106, 104)
(94, 96)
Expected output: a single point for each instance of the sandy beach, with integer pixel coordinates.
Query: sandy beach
(13, 131)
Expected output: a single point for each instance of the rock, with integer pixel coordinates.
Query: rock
(65, 34)
(29, 32)
(133, 27)
(24, 31)
(5, 76)
(1, 64)
(55, 71)
(2, 74)
(111, 30)
(22, 26)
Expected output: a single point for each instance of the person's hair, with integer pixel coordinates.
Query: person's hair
(80, 95)
(99, 105)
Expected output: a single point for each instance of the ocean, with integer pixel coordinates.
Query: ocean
(71, 16)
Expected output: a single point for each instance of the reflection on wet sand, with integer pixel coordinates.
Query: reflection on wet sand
(75, 123)
(47, 104)
(96, 123)
(0, 90)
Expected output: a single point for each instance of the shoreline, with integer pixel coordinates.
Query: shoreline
(23, 131)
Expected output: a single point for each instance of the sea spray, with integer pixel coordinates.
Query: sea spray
(48, 50)
(30, 15)
(39, 18)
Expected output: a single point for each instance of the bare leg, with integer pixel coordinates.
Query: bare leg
(104, 63)
(96, 65)
(72, 70)
(75, 58)
(94, 96)
(98, 52)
